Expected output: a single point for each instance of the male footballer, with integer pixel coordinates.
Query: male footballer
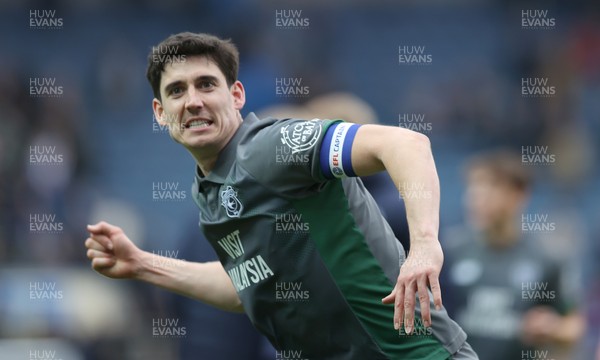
(359, 292)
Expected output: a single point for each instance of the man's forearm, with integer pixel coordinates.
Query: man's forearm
(412, 168)
(206, 282)
(406, 156)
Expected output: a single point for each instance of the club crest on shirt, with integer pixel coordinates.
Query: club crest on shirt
(301, 136)
(229, 200)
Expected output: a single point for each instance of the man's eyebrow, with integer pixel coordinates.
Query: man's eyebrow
(200, 78)
(206, 78)
(172, 85)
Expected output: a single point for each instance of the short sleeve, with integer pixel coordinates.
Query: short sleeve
(292, 155)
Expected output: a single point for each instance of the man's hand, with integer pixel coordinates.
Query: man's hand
(111, 252)
(420, 271)
(542, 324)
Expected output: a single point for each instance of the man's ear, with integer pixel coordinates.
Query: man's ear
(239, 95)
(158, 112)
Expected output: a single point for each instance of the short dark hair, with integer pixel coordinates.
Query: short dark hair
(221, 51)
(505, 165)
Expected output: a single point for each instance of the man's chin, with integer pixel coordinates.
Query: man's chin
(191, 139)
(197, 142)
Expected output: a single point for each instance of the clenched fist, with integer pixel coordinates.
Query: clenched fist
(111, 252)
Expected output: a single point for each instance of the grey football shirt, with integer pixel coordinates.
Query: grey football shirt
(306, 246)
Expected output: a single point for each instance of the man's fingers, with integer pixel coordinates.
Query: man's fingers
(409, 307)
(102, 228)
(103, 240)
(100, 263)
(98, 228)
(434, 285)
(398, 304)
(390, 298)
(93, 244)
(424, 301)
(92, 254)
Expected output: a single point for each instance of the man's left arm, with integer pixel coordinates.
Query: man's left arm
(407, 157)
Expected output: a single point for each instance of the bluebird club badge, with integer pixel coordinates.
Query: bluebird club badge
(229, 200)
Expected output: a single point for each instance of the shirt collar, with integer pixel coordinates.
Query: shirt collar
(227, 155)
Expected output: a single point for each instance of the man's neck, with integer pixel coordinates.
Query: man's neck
(206, 165)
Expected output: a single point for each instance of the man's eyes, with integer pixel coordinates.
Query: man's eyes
(206, 84)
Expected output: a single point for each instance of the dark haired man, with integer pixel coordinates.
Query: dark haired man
(498, 272)
(303, 248)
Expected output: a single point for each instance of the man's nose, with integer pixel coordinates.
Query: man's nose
(194, 100)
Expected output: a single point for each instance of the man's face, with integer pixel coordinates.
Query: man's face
(200, 110)
(490, 201)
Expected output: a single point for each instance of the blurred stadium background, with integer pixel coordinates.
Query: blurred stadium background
(113, 157)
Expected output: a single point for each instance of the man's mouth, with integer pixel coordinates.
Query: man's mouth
(197, 124)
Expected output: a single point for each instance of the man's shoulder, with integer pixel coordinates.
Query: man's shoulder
(283, 154)
(279, 134)
(277, 126)
(259, 135)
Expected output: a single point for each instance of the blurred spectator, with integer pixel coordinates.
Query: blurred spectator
(48, 206)
(503, 289)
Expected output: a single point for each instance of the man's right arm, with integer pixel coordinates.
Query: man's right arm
(113, 255)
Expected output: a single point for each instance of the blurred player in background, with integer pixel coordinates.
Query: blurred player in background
(303, 248)
(503, 290)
